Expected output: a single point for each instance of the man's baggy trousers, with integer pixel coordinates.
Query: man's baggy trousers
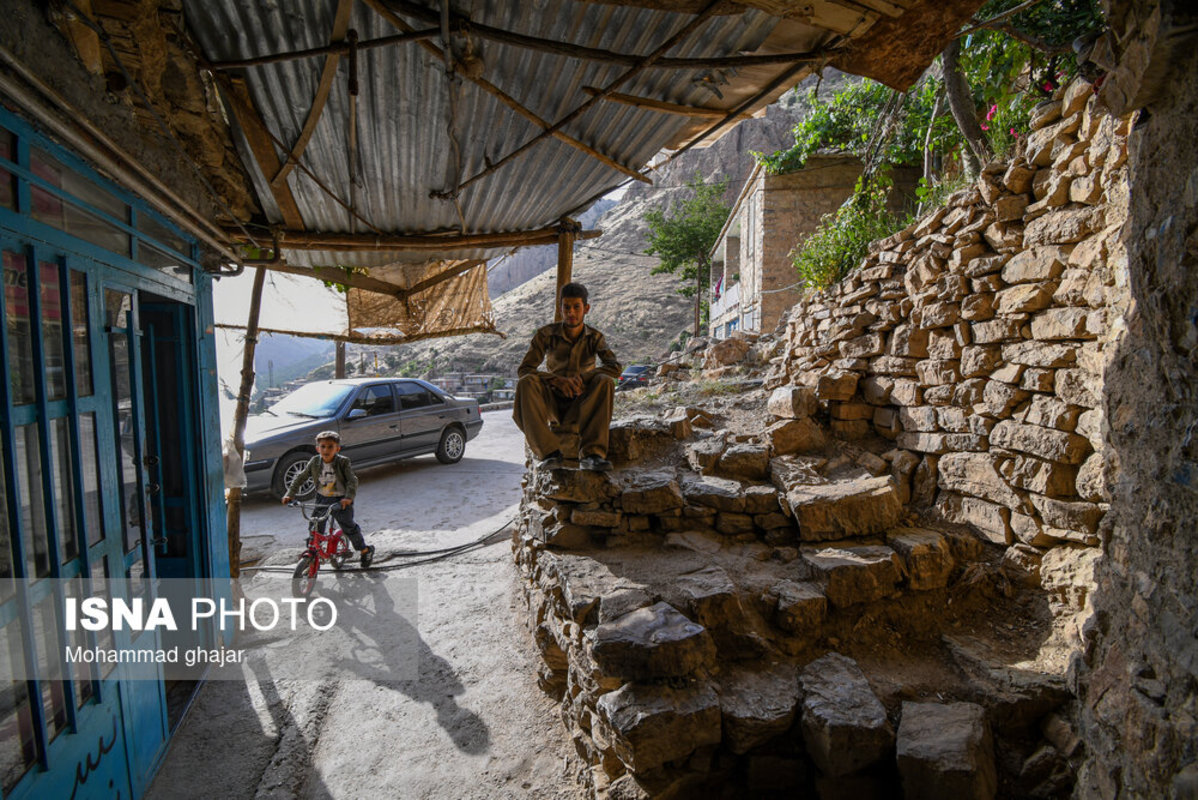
(537, 404)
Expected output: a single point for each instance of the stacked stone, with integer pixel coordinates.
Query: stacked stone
(669, 683)
(974, 339)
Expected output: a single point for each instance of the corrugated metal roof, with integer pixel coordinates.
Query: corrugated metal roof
(405, 150)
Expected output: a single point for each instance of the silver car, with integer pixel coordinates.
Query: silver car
(379, 419)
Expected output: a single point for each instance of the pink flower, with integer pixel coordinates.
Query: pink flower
(993, 110)
(985, 127)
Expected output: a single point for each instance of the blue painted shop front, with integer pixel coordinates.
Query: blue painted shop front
(111, 462)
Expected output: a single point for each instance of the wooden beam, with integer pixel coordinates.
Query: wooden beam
(662, 105)
(339, 48)
(240, 414)
(571, 50)
(355, 280)
(304, 240)
(441, 277)
(741, 108)
(262, 146)
(512, 103)
(340, 26)
(644, 63)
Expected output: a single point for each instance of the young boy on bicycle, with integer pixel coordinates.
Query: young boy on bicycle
(336, 485)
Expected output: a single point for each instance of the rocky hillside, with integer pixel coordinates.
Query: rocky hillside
(506, 274)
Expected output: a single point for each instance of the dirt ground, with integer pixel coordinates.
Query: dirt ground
(472, 724)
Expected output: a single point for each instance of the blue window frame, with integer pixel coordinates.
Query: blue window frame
(71, 242)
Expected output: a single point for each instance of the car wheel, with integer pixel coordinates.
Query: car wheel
(288, 467)
(452, 446)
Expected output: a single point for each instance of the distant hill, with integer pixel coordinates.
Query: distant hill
(508, 273)
(285, 358)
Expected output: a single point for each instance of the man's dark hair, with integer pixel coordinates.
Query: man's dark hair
(575, 290)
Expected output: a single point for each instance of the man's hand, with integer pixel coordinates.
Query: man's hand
(286, 499)
(345, 502)
(568, 387)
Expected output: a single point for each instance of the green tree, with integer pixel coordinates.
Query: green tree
(682, 236)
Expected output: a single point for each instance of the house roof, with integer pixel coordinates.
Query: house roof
(451, 147)
(397, 141)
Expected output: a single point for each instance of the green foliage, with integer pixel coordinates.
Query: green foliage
(682, 235)
(1023, 62)
(349, 272)
(934, 195)
(846, 122)
(1009, 70)
(842, 239)
(713, 388)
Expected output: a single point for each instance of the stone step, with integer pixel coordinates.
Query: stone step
(861, 506)
(945, 752)
(757, 703)
(853, 572)
(844, 724)
(653, 642)
(650, 725)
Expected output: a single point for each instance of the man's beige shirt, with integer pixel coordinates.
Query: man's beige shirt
(568, 358)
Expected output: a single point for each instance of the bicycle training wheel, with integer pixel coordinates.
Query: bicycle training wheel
(303, 580)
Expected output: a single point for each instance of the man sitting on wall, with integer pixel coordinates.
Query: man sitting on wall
(572, 390)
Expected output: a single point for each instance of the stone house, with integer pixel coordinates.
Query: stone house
(752, 276)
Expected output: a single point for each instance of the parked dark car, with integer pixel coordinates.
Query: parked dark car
(379, 419)
(634, 376)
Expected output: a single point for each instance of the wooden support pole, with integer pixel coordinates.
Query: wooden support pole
(571, 50)
(339, 364)
(565, 263)
(304, 240)
(340, 27)
(662, 105)
(233, 518)
(510, 101)
(337, 48)
(642, 64)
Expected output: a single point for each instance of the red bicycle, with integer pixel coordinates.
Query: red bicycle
(332, 547)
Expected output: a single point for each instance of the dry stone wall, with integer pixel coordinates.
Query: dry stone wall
(975, 338)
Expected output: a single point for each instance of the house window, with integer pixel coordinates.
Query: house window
(20, 331)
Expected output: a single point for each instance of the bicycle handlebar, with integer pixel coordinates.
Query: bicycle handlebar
(303, 507)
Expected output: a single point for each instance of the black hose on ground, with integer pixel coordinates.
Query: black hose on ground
(436, 555)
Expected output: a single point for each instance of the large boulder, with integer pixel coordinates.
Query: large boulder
(795, 436)
(792, 402)
(650, 493)
(725, 353)
(748, 461)
(926, 554)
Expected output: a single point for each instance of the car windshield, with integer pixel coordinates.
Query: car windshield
(313, 400)
(636, 370)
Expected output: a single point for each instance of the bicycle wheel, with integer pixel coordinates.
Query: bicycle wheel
(343, 553)
(303, 580)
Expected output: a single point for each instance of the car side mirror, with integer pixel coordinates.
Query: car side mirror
(357, 413)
